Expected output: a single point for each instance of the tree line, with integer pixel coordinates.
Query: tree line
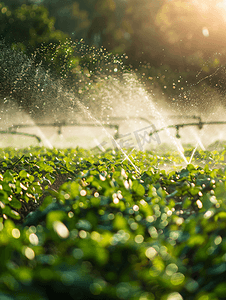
(182, 37)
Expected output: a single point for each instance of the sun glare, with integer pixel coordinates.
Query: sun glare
(198, 26)
(222, 4)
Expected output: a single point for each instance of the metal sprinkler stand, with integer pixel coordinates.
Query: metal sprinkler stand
(116, 124)
(21, 133)
(177, 134)
(200, 125)
(59, 125)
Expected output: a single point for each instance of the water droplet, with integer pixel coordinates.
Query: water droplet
(16, 233)
(33, 239)
(151, 253)
(205, 31)
(61, 229)
(29, 253)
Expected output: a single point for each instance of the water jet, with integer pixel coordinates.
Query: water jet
(118, 105)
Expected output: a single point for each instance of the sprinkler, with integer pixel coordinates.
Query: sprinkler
(21, 133)
(177, 133)
(115, 125)
(59, 125)
(200, 125)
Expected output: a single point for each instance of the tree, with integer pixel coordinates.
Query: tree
(145, 39)
(29, 26)
(72, 17)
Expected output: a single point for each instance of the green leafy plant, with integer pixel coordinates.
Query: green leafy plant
(102, 231)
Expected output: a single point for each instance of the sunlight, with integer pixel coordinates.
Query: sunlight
(196, 25)
(222, 4)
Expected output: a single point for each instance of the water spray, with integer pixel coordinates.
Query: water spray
(109, 135)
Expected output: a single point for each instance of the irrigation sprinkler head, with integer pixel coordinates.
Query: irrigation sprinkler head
(116, 135)
(59, 132)
(200, 125)
(177, 133)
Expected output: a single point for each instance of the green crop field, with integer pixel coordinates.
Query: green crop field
(86, 225)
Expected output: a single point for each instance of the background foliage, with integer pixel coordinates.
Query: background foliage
(183, 37)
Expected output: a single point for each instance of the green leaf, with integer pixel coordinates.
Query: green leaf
(56, 215)
(4, 197)
(220, 215)
(15, 203)
(119, 223)
(7, 176)
(23, 174)
(11, 213)
(191, 167)
(138, 188)
(197, 239)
